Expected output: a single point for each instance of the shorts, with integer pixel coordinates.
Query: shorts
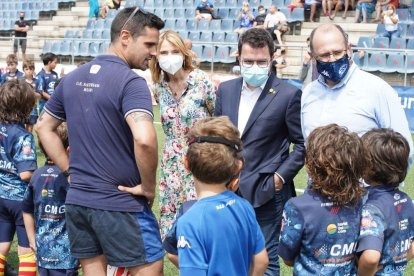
(56, 272)
(32, 120)
(126, 239)
(11, 221)
(20, 41)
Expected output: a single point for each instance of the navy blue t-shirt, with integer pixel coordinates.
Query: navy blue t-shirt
(46, 83)
(7, 77)
(387, 226)
(35, 84)
(95, 104)
(319, 236)
(45, 199)
(17, 155)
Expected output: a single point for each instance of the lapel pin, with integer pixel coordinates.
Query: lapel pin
(271, 91)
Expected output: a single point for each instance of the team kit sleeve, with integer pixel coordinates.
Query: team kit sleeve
(291, 233)
(136, 97)
(28, 200)
(373, 225)
(55, 105)
(25, 154)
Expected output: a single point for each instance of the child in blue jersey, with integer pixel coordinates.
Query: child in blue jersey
(17, 163)
(28, 69)
(47, 78)
(386, 240)
(13, 72)
(320, 228)
(219, 234)
(44, 217)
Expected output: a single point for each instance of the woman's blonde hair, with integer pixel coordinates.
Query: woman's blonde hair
(175, 39)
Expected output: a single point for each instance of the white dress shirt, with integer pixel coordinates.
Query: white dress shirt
(248, 99)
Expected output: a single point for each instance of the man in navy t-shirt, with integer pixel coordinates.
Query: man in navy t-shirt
(113, 158)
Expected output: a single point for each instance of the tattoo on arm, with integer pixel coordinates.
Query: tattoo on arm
(141, 117)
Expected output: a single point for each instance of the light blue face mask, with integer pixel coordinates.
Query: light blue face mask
(254, 76)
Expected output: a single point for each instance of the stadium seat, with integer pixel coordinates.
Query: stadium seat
(410, 65)
(83, 49)
(191, 25)
(403, 15)
(410, 44)
(364, 42)
(150, 4)
(206, 36)
(410, 31)
(395, 62)
(198, 49)
(129, 3)
(376, 62)
(223, 55)
(227, 24)
(380, 31)
(87, 34)
(360, 62)
(158, 3)
(179, 13)
(398, 43)
(231, 37)
(69, 34)
(215, 25)
(103, 47)
(66, 48)
(218, 36)
(90, 24)
(94, 49)
(100, 24)
(381, 42)
(180, 24)
(297, 15)
(178, 4)
(169, 13)
(403, 29)
(159, 12)
(183, 34)
(141, 3)
(190, 13)
(208, 53)
(56, 47)
(223, 12)
(168, 4)
(106, 34)
(108, 23)
(194, 35)
(267, 3)
(190, 3)
(234, 13)
(169, 24)
(203, 25)
(220, 4)
(47, 46)
(97, 34)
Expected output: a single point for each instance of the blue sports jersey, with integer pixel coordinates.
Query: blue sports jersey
(170, 241)
(46, 83)
(218, 233)
(17, 155)
(45, 198)
(7, 77)
(102, 146)
(387, 226)
(319, 236)
(35, 84)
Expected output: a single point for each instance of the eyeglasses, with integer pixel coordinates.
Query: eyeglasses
(327, 56)
(262, 63)
(132, 15)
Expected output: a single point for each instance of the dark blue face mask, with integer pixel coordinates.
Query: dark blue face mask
(333, 71)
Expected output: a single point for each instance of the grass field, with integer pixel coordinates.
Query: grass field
(300, 183)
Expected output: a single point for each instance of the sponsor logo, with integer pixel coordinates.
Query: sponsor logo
(342, 69)
(403, 224)
(95, 69)
(331, 229)
(182, 242)
(50, 170)
(397, 196)
(325, 73)
(44, 193)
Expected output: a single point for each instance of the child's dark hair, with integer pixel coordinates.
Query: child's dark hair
(335, 161)
(387, 154)
(12, 58)
(48, 57)
(62, 132)
(214, 162)
(28, 64)
(16, 101)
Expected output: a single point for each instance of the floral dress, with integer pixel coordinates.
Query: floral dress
(177, 118)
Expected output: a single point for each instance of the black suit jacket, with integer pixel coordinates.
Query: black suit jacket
(272, 127)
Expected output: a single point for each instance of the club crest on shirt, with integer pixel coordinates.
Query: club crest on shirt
(397, 196)
(95, 69)
(182, 242)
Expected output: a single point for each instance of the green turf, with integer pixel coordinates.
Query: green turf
(300, 183)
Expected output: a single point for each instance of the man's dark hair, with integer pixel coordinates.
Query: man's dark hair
(16, 101)
(48, 57)
(136, 25)
(387, 153)
(326, 27)
(256, 38)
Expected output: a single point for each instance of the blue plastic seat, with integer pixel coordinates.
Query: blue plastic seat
(267, 3)
(129, 3)
(403, 15)
(190, 13)
(90, 24)
(190, 3)
(47, 47)
(410, 44)
(380, 31)
(191, 25)
(410, 64)
(395, 62)
(410, 31)
(94, 49)
(179, 13)
(66, 48)
(365, 42)
(208, 53)
(403, 29)
(220, 4)
(178, 3)
(169, 13)
(158, 3)
(231, 37)
(97, 34)
(159, 12)
(223, 12)
(141, 3)
(297, 15)
(376, 62)
(180, 24)
(169, 24)
(106, 34)
(108, 23)
(360, 62)
(198, 49)
(398, 43)
(203, 25)
(206, 36)
(381, 42)
(87, 34)
(232, 4)
(84, 49)
(103, 47)
(218, 36)
(194, 35)
(234, 13)
(56, 47)
(227, 24)
(168, 4)
(69, 34)
(100, 24)
(183, 34)
(223, 55)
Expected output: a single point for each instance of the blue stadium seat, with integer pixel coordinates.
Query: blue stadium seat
(169, 24)
(376, 62)
(66, 48)
(129, 3)
(410, 44)
(360, 62)
(103, 47)
(227, 24)
(97, 34)
(159, 12)
(108, 23)
(150, 4)
(232, 37)
(47, 46)
(410, 64)
(190, 13)
(183, 34)
(158, 3)
(297, 15)
(203, 25)
(141, 3)
(403, 29)
(87, 34)
(206, 36)
(194, 35)
(84, 49)
(267, 3)
(403, 15)
(398, 43)
(56, 47)
(198, 49)
(106, 34)
(364, 42)
(220, 4)
(381, 42)
(234, 13)
(395, 62)
(380, 31)
(168, 4)
(218, 36)
(236, 24)
(232, 4)
(100, 24)
(191, 25)
(180, 24)
(94, 49)
(208, 53)
(223, 55)
(90, 24)
(69, 34)
(179, 13)
(169, 13)
(178, 4)
(410, 31)
(223, 12)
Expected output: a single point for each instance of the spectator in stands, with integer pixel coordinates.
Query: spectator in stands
(13, 72)
(327, 6)
(196, 59)
(296, 4)
(276, 24)
(364, 8)
(390, 20)
(279, 62)
(308, 73)
(313, 4)
(93, 9)
(246, 19)
(21, 27)
(383, 6)
(185, 95)
(346, 7)
(47, 78)
(110, 4)
(204, 10)
(260, 17)
(349, 96)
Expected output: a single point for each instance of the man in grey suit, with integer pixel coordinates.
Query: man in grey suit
(266, 110)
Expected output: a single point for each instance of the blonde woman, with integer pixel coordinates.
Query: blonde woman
(185, 95)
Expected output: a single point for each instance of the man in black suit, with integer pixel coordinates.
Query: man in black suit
(266, 110)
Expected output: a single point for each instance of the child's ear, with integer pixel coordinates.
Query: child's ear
(234, 184)
(68, 149)
(185, 161)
